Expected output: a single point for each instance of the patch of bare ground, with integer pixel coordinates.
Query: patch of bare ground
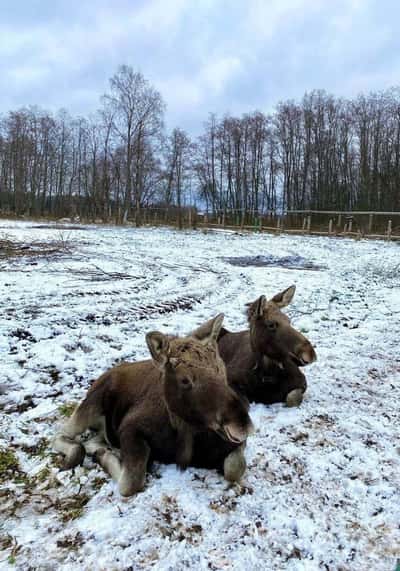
(171, 524)
(10, 248)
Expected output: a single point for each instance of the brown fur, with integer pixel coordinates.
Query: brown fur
(170, 408)
(263, 361)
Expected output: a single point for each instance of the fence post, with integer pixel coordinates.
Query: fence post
(278, 225)
(304, 224)
(309, 224)
(330, 226)
(389, 229)
(370, 223)
(261, 223)
(350, 225)
(242, 220)
(339, 222)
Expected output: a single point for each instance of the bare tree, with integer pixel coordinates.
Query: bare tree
(136, 109)
(178, 156)
(318, 153)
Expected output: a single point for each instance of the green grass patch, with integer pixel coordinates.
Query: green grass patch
(8, 463)
(67, 408)
(72, 508)
(43, 475)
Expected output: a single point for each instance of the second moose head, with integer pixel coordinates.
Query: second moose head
(271, 333)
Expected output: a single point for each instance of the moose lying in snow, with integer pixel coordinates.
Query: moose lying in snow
(263, 362)
(177, 407)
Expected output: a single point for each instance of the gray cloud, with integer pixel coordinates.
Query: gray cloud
(204, 56)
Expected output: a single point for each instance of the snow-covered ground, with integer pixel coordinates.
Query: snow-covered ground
(323, 481)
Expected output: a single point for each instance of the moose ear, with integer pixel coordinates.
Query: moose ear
(158, 345)
(256, 308)
(209, 331)
(259, 305)
(285, 297)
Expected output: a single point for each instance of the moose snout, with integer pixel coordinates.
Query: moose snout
(237, 424)
(306, 354)
(237, 432)
(234, 423)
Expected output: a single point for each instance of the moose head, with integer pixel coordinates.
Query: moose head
(195, 383)
(271, 334)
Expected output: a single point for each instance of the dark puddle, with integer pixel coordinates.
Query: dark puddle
(288, 262)
(61, 227)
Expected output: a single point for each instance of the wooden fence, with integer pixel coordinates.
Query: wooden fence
(358, 224)
(361, 224)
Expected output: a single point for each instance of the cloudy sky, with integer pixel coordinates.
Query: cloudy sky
(203, 55)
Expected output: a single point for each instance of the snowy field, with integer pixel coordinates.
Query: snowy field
(323, 481)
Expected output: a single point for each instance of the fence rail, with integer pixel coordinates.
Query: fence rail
(358, 224)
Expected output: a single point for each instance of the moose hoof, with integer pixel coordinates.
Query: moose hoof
(234, 466)
(130, 483)
(74, 458)
(294, 398)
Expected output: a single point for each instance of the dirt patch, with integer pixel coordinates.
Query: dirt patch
(13, 249)
(186, 303)
(23, 335)
(72, 507)
(288, 262)
(61, 227)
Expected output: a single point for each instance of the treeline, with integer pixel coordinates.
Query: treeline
(320, 153)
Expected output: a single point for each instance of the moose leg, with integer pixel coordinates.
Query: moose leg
(294, 397)
(73, 451)
(235, 465)
(83, 416)
(99, 440)
(95, 444)
(130, 470)
(288, 386)
(296, 385)
(109, 461)
(135, 453)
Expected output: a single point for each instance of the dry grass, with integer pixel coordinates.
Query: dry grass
(10, 248)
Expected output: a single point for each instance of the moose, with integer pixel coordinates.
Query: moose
(263, 362)
(175, 408)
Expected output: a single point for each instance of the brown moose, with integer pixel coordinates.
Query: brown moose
(177, 407)
(263, 362)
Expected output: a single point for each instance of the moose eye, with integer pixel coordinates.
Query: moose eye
(271, 325)
(186, 383)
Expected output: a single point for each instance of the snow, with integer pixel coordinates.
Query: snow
(322, 486)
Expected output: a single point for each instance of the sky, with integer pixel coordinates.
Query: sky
(203, 56)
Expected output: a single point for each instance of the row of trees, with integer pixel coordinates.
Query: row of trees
(320, 153)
